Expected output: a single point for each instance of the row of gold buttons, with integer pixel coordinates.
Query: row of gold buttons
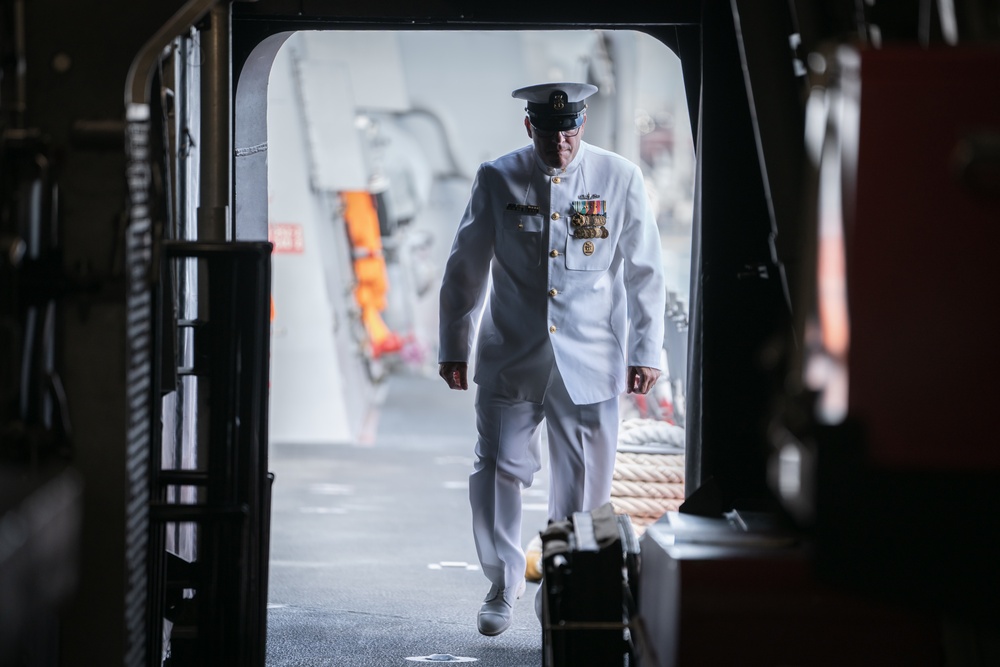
(554, 253)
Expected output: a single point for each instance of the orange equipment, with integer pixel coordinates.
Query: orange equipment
(369, 269)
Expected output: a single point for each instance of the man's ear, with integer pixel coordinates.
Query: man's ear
(527, 126)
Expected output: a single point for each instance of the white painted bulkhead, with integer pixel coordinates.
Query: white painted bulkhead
(410, 116)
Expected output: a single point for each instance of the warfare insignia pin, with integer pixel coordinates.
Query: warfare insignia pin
(588, 248)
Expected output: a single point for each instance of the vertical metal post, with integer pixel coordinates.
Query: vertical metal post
(216, 127)
(213, 208)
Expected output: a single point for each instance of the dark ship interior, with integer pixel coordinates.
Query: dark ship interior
(842, 360)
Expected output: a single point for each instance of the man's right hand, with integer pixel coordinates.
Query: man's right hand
(455, 373)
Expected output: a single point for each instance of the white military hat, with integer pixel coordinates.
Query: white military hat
(555, 106)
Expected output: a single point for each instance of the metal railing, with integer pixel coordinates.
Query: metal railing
(216, 604)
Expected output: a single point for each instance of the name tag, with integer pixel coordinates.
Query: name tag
(527, 209)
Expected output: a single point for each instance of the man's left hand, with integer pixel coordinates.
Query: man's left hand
(641, 379)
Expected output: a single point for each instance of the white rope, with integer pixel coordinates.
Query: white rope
(647, 489)
(638, 432)
(648, 478)
(649, 470)
(660, 460)
(647, 473)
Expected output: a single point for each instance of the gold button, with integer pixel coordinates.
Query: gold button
(553, 292)
(520, 225)
(552, 329)
(555, 216)
(556, 180)
(554, 253)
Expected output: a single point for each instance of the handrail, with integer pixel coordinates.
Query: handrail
(138, 81)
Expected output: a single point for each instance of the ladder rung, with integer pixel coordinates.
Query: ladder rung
(183, 477)
(167, 512)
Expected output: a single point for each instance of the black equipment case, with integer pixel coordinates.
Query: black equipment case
(590, 566)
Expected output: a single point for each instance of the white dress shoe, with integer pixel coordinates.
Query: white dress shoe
(497, 611)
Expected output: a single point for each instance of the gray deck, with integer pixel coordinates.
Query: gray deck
(368, 542)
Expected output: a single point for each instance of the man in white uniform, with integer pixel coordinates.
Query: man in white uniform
(573, 316)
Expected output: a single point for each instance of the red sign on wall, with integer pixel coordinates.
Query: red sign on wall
(286, 237)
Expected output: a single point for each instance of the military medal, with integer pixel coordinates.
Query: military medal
(589, 220)
(590, 207)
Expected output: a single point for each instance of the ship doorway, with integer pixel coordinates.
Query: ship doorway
(372, 140)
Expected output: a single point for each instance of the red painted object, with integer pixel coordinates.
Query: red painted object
(922, 259)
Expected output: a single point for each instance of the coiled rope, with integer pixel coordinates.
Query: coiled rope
(648, 479)
(649, 470)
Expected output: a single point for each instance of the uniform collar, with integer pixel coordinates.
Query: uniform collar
(572, 166)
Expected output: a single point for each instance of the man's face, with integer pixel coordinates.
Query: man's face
(555, 148)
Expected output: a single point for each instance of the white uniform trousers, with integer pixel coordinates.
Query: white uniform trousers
(582, 440)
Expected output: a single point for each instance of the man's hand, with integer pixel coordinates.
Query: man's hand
(455, 373)
(641, 379)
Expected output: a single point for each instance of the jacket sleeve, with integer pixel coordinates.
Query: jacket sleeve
(644, 281)
(466, 275)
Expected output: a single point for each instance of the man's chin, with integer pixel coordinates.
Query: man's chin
(557, 160)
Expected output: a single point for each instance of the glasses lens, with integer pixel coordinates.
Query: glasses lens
(548, 134)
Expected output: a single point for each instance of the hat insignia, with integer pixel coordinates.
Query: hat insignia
(558, 101)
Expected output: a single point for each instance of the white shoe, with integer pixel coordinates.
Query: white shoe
(497, 612)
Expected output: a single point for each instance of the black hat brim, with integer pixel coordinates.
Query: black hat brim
(552, 123)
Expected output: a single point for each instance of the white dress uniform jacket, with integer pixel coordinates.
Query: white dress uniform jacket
(591, 306)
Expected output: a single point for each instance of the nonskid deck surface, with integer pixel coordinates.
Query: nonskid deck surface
(372, 557)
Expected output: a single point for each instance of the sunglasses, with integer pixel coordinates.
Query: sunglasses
(548, 134)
